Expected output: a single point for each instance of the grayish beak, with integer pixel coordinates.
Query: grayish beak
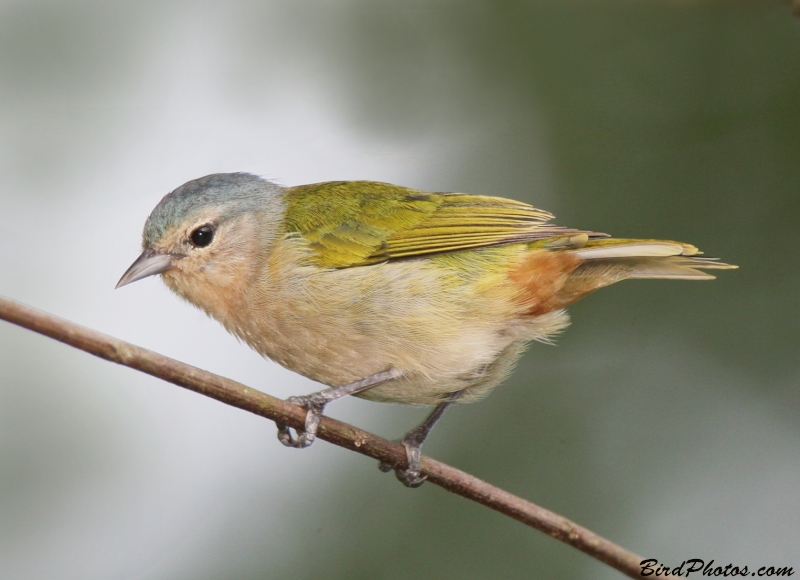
(149, 263)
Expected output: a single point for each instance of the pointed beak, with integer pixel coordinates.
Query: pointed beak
(149, 263)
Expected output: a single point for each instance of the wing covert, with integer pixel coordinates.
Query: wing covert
(358, 223)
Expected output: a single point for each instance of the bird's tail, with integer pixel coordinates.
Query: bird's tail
(575, 265)
(646, 259)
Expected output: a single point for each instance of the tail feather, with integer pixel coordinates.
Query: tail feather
(659, 259)
(625, 248)
(607, 261)
(676, 268)
(576, 265)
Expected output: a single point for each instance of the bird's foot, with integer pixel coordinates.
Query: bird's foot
(314, 404)
(411, 476)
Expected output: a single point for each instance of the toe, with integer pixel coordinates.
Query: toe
(410, 477)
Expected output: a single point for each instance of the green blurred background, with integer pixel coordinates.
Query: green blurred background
(668, 416)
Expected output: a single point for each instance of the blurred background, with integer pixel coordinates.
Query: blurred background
(667, 418)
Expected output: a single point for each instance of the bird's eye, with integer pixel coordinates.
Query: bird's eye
(202, 236)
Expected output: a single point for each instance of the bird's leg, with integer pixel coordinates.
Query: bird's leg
(412, 441)
(315, 405)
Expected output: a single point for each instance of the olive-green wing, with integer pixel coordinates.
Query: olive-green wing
(355, 223)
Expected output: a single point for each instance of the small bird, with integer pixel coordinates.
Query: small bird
(383, 292)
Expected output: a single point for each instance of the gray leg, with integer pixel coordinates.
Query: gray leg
(315, 404)
(412, 441)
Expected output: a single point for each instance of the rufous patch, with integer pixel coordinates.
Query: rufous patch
(540, 276)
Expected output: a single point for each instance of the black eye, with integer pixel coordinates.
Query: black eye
(202, 236)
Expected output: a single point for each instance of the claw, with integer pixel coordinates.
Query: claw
(301, 441)
(411, 476)
(314, 406)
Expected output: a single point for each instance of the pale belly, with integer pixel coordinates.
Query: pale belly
(448, 334)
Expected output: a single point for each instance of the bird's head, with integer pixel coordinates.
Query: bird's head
(209, 235)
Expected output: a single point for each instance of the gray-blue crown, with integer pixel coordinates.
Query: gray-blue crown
(236, 192)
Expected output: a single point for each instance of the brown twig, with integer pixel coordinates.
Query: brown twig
(336, 432)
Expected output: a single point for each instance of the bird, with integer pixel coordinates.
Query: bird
(384, 292)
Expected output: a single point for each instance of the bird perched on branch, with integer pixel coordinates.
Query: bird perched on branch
(383, 292)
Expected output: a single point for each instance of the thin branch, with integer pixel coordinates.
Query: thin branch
(336, 432)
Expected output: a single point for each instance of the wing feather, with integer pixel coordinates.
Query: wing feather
(362, 222)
